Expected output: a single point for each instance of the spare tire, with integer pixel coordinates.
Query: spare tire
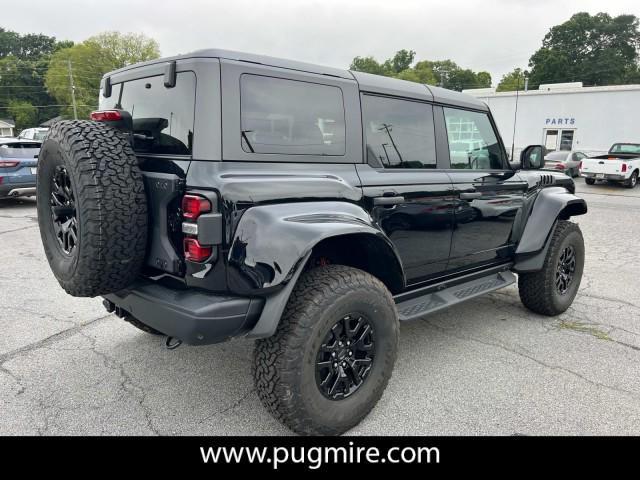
(92, 208)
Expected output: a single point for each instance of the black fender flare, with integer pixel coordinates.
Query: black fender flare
(272, 243)
(551, 204)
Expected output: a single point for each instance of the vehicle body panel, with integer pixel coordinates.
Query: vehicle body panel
(276, 209)
(18, 167)
(617, 165)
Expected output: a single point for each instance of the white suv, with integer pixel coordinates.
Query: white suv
(38, 134)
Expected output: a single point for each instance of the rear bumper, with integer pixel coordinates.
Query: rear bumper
(13, 190)
(606, 176)
(193, 316)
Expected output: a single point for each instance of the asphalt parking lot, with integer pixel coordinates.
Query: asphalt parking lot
(484, 367)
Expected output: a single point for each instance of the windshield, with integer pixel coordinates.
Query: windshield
(625, 148)
(40, 135)
(556, 156)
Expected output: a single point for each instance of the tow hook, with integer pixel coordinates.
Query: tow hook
(172, 343)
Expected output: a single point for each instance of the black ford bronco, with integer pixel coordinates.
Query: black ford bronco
(218, 194)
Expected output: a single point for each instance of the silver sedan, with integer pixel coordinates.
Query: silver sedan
(564, 161)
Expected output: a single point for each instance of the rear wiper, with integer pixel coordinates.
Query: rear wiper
(246, 139)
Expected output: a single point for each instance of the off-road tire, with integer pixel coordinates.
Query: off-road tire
(141, 326)
(633, 180)
(284, 364)
(110, 207)
(538, 290)
(590, 181)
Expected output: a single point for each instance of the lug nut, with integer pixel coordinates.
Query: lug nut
(350, 353)
(333, 354)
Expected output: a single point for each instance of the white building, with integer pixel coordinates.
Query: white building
(566, 116)
(6, 127)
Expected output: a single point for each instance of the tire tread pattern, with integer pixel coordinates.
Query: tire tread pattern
(536, 288)
(278, 359)
(112, 207)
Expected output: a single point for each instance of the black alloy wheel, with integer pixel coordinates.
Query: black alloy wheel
(565, 269)
(345, 357)
(63, 210)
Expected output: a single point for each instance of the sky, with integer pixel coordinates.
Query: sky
(490, 35)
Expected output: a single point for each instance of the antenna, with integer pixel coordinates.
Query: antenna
(515, 120)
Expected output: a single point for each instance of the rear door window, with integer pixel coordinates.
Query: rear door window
(163, 118)
(284, 116)
(398, 133)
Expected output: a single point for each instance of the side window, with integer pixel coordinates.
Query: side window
(398, 133)
(291, 117)
(473, 144)
(162, 117)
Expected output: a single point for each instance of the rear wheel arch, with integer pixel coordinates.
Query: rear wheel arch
(365, 251)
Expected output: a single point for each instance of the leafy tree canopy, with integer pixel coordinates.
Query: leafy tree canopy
(594, 49)
(90, 60)
(513, 80)
(445, 73)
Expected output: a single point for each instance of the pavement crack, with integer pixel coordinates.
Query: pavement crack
(231, 407)
(17, 229)
(127, 384)
(46, 342)
(447, 331)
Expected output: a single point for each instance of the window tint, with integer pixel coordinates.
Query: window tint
(473, 144)
(398, 133)
(162, 117)
(291, 117)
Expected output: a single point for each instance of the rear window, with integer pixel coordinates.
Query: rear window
(625, 148)
(162, 117)
(556, 156)
(291, 117)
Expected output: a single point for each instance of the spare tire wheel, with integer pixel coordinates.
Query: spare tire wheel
(92, 208)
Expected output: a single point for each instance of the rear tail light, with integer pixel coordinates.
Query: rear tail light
(106, 116)
(194, 252)
(193, 206)
(560, 166)
(8, 163)
(580, 165)
(624, 167)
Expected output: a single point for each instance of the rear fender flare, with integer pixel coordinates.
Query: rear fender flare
(270, 241)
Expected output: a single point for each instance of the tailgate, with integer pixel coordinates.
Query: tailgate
(602, 165)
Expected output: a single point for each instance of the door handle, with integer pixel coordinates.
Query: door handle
(395, 200)
(470, 195)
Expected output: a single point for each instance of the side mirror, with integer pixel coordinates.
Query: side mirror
(532, 157)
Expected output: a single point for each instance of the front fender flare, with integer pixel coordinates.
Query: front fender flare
(551, 204)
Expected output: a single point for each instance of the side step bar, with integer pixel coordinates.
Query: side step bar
(432, 302)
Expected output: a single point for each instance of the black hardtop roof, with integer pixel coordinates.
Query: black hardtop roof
(366, 82)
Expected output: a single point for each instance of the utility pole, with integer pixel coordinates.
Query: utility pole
(387, 128)
(73, 91)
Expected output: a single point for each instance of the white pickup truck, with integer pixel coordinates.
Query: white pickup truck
(621, 164)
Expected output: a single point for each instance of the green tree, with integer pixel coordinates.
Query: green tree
(400, 62)
(122, 49)
(25, 47)
(89, 61)
(594, 49)
(444, 73)
(23, 113)
(367, 65)
(512, 81)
